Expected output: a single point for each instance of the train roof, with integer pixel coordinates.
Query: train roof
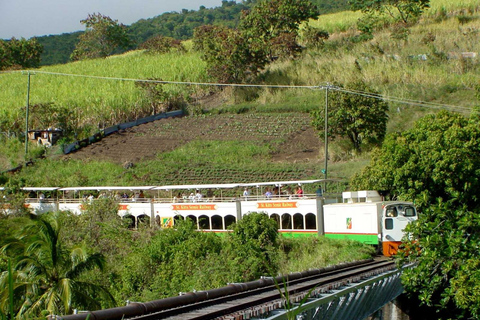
(284, 183)
(199, 186)
(184, 187)
(110, 188)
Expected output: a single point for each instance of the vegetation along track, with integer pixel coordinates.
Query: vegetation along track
(243, 300)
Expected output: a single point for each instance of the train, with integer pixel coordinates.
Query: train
(362, 216)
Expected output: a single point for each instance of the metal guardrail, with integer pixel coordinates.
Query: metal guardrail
(356, 301)
(107, 131)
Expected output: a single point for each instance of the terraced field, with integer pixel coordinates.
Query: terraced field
(294, 138)
(291, 138)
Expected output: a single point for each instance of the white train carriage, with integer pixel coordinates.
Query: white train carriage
(360, 216)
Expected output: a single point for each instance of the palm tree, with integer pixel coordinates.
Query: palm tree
(47, 275)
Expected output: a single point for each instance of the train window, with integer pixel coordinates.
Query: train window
(409, 212)
(193, 219)
(310, 221)
(392, 212)
(204, 223)
(277, 219)
(286, 221)
(389, 224)
(229, 221)
(298, 221)
(217, 223)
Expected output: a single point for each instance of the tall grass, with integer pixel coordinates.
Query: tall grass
(98, 97)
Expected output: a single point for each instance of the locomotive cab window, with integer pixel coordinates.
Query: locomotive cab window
(388, 224)
(409, 212)
(391, 212)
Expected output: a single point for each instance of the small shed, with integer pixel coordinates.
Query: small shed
(45, 137)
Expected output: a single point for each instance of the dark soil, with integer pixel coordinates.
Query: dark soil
(291, 134)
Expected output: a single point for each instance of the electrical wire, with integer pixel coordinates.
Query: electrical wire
(324, 86)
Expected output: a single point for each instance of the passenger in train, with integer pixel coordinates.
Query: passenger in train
(246, 193)
(268, 194)
(198, 196)
(299, 192)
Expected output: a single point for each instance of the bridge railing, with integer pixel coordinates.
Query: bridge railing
(355, 301)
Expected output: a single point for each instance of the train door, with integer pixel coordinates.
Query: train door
(394, 220)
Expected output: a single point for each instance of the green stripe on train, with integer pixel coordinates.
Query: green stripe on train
(364, 238)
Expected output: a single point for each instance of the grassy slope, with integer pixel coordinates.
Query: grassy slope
(436, 80)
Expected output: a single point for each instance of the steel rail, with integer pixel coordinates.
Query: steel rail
(270, 296)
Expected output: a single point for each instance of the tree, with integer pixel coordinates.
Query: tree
(404, 11)
(361, 118)
(253, 246)
(231, 58)
(101, 38)
(20, 54)
(436, 165)
(437, 159)
(161, 44)
(48, 276)
(276, 24)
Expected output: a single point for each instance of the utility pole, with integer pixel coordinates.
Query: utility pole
(26, 115)
(326, 135)
(325, 170)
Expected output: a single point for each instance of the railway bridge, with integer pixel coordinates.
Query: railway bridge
(351, 291)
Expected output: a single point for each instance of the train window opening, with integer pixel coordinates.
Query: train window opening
(193, 219)
(389, 224)
(392, 212)
(217, 223)
(276, 217)
(131, 221)
(298, 221)
(286, 221)
(178, 218)
(143, 220)
(409, 212)
(310, 221)
(229, 222)
(204, 223)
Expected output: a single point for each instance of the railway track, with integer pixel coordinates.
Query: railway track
(245, 300)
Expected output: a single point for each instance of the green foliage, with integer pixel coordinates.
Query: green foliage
(101, 38)
(20, 54)
(315, 252)
(444, 247)
(437, 159)
(161, 44)
(47, 275)
(404, 11)
(160, 99)
(276, 24)
(266, 32)
(352, 114)
(229, 57)
(436, 164)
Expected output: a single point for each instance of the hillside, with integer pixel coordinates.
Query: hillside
(422, 74)
(291, 136)
(178, 25)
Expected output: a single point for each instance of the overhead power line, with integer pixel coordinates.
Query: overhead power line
(327, 85)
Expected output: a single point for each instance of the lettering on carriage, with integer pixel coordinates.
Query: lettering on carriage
(123, 207)
(194, 207)
(275, 205)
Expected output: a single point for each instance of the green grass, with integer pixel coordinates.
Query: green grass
(100, 102)
(318, 252)
(99, 99)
